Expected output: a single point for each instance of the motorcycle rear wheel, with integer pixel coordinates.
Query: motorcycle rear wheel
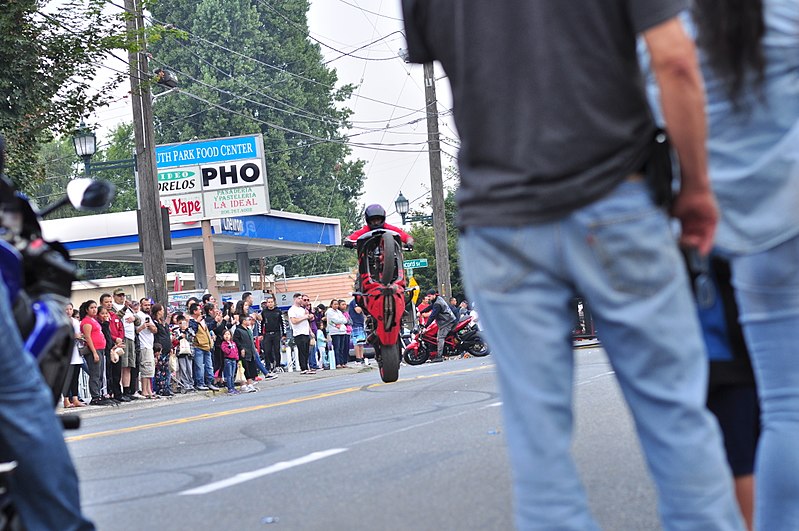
(479, 349)
(415, 356)
(389, 362)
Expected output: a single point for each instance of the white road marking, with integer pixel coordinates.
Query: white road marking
(597, 377)
(495, 404)
(247, 476)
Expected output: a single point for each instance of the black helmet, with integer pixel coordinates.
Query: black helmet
(375, 216)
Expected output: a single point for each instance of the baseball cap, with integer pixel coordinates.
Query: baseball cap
(432, 292)
(119, 291)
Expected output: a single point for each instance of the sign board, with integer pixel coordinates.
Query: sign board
(415, 264)
(211, 179)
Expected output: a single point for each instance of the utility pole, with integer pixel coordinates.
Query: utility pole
(151, 235)
(436, 184)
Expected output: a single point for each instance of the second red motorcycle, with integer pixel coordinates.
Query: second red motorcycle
(463, 338)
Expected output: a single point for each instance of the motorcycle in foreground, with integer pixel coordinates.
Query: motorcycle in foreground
(463, 338)
(381, 294)
(39, 276)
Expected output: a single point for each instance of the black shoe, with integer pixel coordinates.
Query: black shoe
(124, 398)
(115, 400)
(436, 359)
(100, 402)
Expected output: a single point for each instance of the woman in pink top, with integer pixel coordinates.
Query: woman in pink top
(95, 343)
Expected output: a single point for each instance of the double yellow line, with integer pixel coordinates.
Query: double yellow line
(237, 411)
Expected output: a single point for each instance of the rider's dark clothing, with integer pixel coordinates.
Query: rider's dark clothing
(445, 319)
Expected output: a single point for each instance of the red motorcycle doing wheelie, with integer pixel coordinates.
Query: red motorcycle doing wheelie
(381, 294)
(463, 338)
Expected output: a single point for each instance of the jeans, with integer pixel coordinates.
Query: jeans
(619, 254)
(203, 368)
(312, 350)
(185, 373)
(340, 348)
(230, 373)
(44, 486)
(260, 364)
(441, 337)
(767, 290)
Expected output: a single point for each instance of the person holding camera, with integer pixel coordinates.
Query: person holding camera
(146, 332)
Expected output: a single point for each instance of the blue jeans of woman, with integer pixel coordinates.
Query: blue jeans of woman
(618, 253)
(767, 289)
(340, 348)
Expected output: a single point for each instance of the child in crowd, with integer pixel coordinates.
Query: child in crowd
(231, 353)
(147, 370)
(321, 346)
(184, 336)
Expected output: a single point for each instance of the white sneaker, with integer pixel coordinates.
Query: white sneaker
(250, 389)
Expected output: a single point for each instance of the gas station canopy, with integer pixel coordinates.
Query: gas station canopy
(114, 237)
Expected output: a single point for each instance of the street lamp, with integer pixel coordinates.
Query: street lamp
(402, 205)
(85, 143)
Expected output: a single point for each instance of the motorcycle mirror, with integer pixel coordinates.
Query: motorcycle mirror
(90, 194)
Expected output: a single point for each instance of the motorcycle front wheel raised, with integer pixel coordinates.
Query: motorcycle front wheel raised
(415, 356)
(389, 362)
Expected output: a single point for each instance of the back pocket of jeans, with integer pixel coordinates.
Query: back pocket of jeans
(637, 253)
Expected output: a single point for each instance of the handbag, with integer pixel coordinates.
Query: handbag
(240, 377)
(184, 347)
(82, 348)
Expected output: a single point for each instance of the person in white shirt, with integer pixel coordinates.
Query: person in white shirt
(130, 321)
(337, 330)
(147, 363)
(300, 319)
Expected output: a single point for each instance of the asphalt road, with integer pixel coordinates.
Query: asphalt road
(343, 451)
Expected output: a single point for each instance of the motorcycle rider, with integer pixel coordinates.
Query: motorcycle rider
(375, 216)
(44, 486)
(443, 316)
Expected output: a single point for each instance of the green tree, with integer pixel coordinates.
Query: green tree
(248, 67)
(424, 247)
(48, 60)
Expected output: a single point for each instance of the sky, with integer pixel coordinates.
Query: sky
(388, 102)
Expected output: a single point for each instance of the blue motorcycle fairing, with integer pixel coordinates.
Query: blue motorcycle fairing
(11, 269)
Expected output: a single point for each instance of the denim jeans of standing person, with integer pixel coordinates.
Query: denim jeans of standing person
(767, 289)
(618, 253)
(312, 350)
(341, 348)
(230, 374)
(260, 364)
(203, 368)
(44, 487)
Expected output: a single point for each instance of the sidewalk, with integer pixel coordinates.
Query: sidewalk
(283, 379)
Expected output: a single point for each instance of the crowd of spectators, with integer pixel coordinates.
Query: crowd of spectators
(137, 349)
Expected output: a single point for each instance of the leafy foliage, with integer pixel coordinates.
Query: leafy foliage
(425, 247)
(246, 67)
(49, 58)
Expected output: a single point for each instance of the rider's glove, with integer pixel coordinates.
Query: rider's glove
(349, 244)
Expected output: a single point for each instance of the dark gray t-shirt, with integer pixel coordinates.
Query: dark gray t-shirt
(549, 100)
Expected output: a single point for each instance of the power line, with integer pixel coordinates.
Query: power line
(370, 12)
